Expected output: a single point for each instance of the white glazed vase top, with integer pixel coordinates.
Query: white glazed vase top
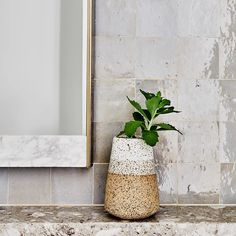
(131, 189)
(131, 157)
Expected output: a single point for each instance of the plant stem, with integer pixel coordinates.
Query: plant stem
(150, 123)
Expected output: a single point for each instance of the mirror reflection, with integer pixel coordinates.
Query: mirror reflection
(41, 67)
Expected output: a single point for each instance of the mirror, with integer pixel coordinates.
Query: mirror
(45, 83)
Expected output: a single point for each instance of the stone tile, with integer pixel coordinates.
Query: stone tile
(184, 15)
(227, 142)
(228, 17)
(3, 185)
(227, 107)
(198, 58)
(29, 186)
(110, 102)
(228, 40)
(156, 58)
(114, 57)
(228, 184)
(156, 18)
(103, 135)
(227, 66)
(115, 17)
(166, 150)
(167, 179)
(72, 185)
(205, 18)
(227, 61)
(198, 183)
(198, 100)
(100, 175)
(199, 142)
(198, 18)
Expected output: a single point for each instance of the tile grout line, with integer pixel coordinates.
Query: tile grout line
(50, 185)
(157, 78)
(95, 205)
(152, 37)
(178, 145)
(218, 107)
(220, 184)
(8, 186)
(93, 188)
(135, 45)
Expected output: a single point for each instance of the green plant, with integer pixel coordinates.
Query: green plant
(145, 119)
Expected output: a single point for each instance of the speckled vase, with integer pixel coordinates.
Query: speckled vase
(131, 188)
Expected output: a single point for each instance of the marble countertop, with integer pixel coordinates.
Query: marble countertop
(84, 214)
(173, 220)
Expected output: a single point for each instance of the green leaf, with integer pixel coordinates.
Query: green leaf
(138, 116)
(167, 110)
(164, 126)
(153, 104)
(164, 102)
(147, 95)
(147, 114)
(131, 127)
(159, 94)
(137, 107)
(153, 127)
(150, 137)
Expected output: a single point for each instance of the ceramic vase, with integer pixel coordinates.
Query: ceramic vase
(131, 188)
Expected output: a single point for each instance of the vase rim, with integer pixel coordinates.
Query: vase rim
(132, 140)
(138, 138)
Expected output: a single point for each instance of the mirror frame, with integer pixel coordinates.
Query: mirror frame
(89, 82)
(58, 150)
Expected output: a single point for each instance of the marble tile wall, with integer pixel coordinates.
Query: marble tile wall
(186, 49)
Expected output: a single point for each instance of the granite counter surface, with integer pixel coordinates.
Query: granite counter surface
(170, 220)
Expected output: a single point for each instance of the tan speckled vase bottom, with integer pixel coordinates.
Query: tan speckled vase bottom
(131, 196)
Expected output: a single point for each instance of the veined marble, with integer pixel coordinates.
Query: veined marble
(43, 151)
(169, 221)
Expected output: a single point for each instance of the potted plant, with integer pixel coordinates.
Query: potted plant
(131, 188)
